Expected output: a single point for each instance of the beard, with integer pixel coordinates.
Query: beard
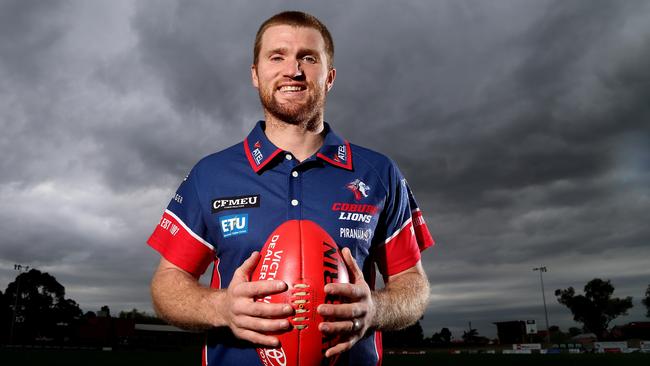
(308, 114)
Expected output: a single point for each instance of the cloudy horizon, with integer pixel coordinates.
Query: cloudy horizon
(522, 127)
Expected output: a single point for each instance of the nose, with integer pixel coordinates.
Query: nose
(293, 69)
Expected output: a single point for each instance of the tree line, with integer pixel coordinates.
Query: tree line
(34, 306)
(595, 309)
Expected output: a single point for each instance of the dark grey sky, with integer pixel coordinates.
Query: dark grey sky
(523, 127)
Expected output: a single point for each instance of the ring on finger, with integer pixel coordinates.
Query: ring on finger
(356, 325)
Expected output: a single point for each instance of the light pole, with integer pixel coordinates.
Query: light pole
(541, 270)
(20, 268)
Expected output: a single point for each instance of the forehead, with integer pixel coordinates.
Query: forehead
(287, 36)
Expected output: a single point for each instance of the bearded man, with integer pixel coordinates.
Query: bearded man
(291, 166)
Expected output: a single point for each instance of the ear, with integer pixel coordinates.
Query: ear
(331, 75)
(254, 79)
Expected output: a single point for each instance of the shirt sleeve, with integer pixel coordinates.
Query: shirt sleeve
(422, 234)
(181, 235)
(404, 233)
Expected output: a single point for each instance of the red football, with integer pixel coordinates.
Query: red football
(302, 254)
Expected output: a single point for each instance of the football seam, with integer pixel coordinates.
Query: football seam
(302, 275)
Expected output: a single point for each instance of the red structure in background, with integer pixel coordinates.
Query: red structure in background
(633, 330)
(126, 333)
(105, 331)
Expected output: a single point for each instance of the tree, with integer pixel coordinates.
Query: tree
(41, 309)
(439, 339)
(470, 336)
(141, 317)
(445, 335)
(105, 311)
(646, 301)
(596, 308)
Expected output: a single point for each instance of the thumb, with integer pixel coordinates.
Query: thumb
(244, 272)
(353, 269)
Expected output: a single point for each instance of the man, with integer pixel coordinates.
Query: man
(291, 166)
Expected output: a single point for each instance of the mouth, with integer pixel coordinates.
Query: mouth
(291, 88)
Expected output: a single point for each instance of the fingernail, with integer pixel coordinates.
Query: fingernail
(325, 328)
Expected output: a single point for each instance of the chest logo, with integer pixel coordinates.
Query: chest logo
(231, 203)
(350, 216)
(234, 225)
(359, 188)
(357, 233)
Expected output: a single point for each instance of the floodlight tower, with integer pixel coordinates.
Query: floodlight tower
(541, 270)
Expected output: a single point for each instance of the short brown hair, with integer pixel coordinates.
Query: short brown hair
(295, 19)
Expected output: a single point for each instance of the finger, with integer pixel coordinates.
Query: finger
(328, 328)
(258, 338)
(341, 347)
(261, 324)
(341, 311)
(259, 289)
(262, 310)
(350, 291)
(353, 269)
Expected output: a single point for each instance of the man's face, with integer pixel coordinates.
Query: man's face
(292, 74)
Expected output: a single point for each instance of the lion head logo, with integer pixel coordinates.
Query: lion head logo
(359, 188)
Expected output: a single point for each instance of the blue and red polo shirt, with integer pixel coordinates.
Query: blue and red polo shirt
(232, 200)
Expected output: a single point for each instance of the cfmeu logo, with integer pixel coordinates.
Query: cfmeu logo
(234, 225)
(231, 203)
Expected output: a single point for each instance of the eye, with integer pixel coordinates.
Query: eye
(309, 59)
(276, 58)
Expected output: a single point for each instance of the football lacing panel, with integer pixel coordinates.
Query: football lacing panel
(300, 301)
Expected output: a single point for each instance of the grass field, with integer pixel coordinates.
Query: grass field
(443, 359)
(10, 357)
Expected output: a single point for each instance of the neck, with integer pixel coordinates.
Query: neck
(302, 140)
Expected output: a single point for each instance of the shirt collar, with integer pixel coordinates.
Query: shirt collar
(260, 150)
(335, 150)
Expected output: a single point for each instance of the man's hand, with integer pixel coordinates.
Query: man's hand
(248, 318)
(352, 319)
(182, 301)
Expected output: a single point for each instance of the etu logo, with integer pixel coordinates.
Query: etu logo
(234, 224)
